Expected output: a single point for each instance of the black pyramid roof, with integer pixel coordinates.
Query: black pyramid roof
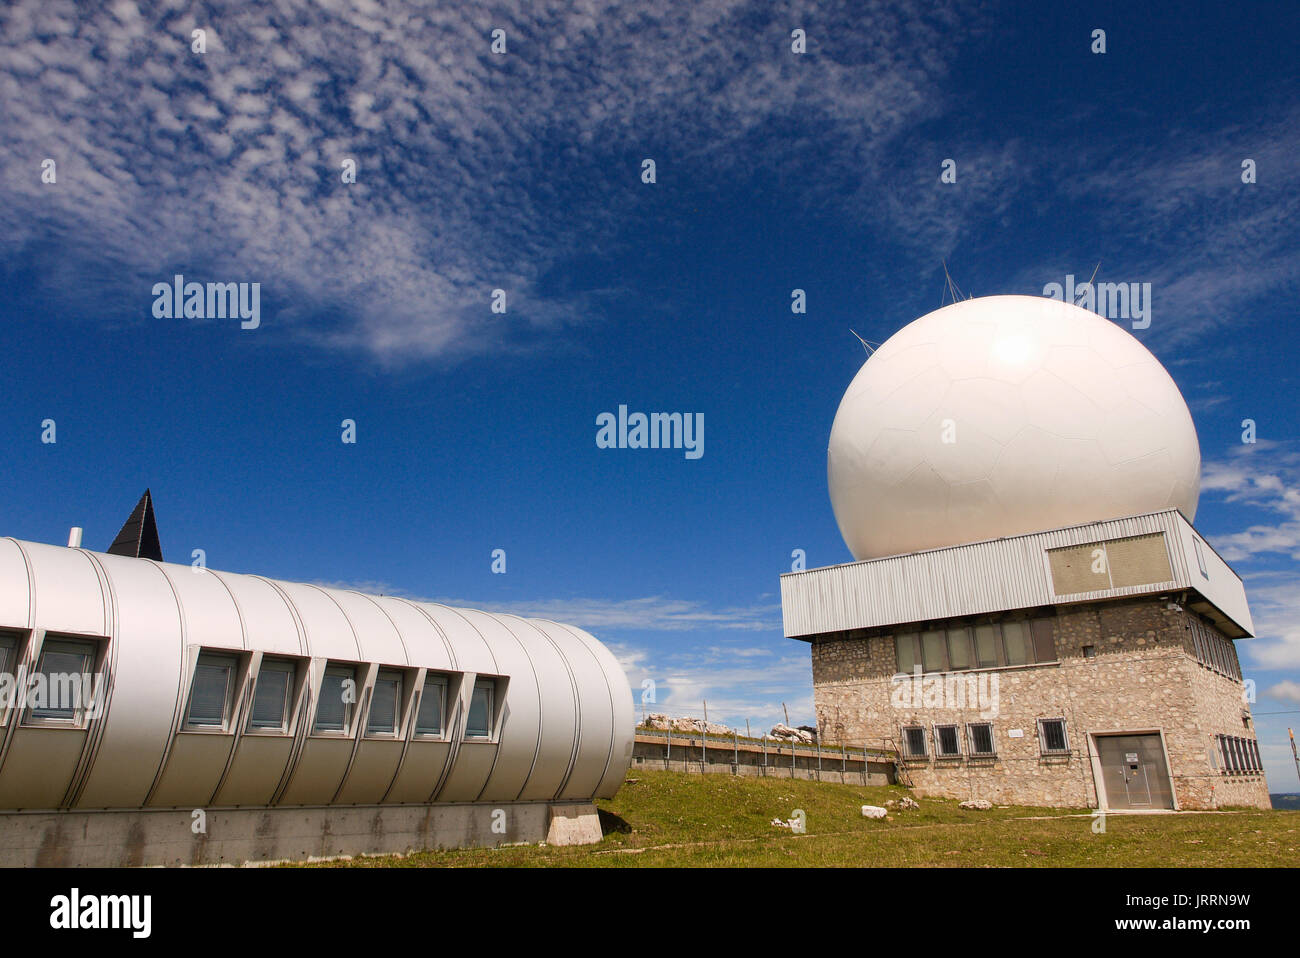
(139, 535)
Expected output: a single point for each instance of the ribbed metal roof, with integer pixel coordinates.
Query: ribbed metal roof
(999, 575)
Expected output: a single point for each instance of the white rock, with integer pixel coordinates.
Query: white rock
(874, 811)
(978, 804)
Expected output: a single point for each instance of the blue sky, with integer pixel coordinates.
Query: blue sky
(522, 171)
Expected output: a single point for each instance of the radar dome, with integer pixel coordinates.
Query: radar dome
(1003, 415)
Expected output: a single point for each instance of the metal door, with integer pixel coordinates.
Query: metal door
(1134, 772)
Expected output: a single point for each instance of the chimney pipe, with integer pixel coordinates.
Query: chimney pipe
(74, 537)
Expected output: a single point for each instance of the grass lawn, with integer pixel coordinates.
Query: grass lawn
(678, 819)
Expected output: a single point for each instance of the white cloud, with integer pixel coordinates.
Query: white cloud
(649, 613)
(1285, 691)
(474, 171)
(1266, 476)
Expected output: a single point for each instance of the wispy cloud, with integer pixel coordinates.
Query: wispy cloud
(475, 171)
(1266, 476)
(649, 613)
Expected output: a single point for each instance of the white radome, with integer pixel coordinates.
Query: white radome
(1004, 415)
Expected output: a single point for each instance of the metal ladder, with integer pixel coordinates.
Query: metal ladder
(901, 776)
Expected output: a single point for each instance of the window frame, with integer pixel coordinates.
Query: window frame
(1042, 737)
(61, 644)
(291, 668)
(231, 660)
(386, 674)
(344, 670)
(10, 643)
(908, 753)
(970, 737)
(489, 686)
(442, 682)
(939, 753)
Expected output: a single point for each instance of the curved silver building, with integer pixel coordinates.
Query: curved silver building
(143, 699)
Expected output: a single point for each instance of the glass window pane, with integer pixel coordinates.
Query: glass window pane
(906, 652)
(270, 701)
(1044, 640)
(8, 644)
(383, 704)
(333, 711)
(986, 649)
(480, 708)
(210, 692)
(932, 650)
(429, 719)
(65, 667)
(1013, 642)
(958, 649)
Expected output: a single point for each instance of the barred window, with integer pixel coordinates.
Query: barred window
(946, 743)
(914, 742)
(981, 738)
(1051, 735)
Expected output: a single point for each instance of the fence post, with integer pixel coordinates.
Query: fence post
(735, 746)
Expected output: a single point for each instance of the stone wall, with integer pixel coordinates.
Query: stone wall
(1143, 676)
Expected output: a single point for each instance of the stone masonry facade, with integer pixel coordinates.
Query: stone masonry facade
(1123, 665)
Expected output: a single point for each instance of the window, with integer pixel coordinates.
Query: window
(933, 650)
(914, 742)
(1014, 644)
(1040, 630)
(959, 649)
(981, 738)
(1200, 556)
(1089, 651)
(480, 711)
(384, 703)
(271, 700)
(8, 652)
(1051, 735)
(433, 701)
(212, 691)
(906, 645)
(338, 690)
(986, 648)
(985, 645)
(1258, 763)
(946, 742)
(63, 681)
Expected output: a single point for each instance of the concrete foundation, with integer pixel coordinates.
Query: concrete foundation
(260, 835)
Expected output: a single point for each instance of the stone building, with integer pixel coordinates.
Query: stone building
(1088, 666)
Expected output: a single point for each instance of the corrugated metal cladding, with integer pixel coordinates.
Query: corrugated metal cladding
(557, 706)
(993, 576)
